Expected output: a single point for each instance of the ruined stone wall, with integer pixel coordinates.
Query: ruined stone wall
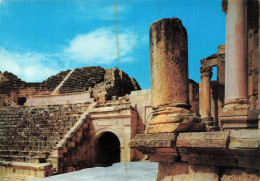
(116, 83)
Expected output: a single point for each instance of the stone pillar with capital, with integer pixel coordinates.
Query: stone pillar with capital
(205, 101)
(235, 111)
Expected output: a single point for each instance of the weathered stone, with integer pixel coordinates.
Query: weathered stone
(180, 171)
(169, 75)
(205, 102)
(244, 145)
(232, 174)
(212, 146)
(159, 146)
(203, 140)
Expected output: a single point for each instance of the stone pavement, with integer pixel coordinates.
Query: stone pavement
(130, 171)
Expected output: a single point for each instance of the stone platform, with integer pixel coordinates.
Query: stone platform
(119, 171)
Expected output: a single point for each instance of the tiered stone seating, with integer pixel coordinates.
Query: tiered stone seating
(29, 134)
(81, 79)
(52, 82)
(13, 83)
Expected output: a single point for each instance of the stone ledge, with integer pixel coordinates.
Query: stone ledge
(236, 148)
(22, 169)
(159, 146)
(29, 166)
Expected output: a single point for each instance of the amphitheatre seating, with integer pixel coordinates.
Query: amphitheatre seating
(52, 82)
(29, 134)
(83, 78)
(13, 83)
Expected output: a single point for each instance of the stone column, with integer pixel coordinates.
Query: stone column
(234, 114)
(205, 102)
(169, 78)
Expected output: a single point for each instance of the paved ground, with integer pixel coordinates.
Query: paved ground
(130, 171)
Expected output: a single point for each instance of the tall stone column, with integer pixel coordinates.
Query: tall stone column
(234, 113)
(169, 78)
(205, 102)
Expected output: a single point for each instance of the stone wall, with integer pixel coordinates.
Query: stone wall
(60, 99)
(223, 155)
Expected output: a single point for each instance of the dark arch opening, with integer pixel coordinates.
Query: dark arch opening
(21, 101)
(108, 149)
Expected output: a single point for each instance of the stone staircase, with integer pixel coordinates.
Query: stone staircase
(56, 90)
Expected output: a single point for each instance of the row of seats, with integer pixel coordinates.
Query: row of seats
(81, 79)
(29, 134)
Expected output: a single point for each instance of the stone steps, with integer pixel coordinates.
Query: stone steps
(26, 148)
(26, 159)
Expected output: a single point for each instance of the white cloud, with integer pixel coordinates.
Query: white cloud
(99, 47)
(94, 48)
(31, 67)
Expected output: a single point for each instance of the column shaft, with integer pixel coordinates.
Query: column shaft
(205, 92)
(236, 64)
(169, 78)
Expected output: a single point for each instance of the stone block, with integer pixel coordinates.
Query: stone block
(159, 146)
(244, 145)
(238, 174)
(179, 171)
(211, 146)
(203, 140)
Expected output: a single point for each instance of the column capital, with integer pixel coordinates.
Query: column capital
(206, 71)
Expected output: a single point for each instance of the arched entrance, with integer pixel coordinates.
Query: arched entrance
(108, 149)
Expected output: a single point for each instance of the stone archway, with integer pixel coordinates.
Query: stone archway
(108, 149)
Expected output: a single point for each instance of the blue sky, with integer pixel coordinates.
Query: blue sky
(39, 38)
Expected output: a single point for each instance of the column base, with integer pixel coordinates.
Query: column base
(235, 115)
(208, 124)
(178, 118)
